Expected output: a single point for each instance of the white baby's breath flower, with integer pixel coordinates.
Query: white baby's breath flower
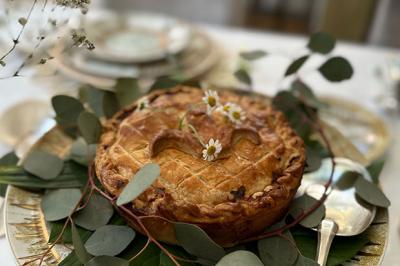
(212, 100)
(143, 103)
(236, 114)
(212, 149)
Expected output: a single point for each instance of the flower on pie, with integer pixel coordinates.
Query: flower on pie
(143, 103)
(236, 114)
(226, 107)
(212, 149)
(212, 100)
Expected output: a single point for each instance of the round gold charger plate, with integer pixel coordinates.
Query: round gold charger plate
(28, 232)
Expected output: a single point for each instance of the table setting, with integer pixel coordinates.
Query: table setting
(148, 140)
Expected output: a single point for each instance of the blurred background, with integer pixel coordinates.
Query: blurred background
(363, 21)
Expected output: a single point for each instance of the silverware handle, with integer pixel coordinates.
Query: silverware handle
(326, 232)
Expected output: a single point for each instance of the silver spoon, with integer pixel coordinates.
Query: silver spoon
(346, 214)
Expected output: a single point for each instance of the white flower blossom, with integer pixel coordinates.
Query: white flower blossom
(236, 114)
(143, 103)
(212, 100)
(212, 149)
(226, 107)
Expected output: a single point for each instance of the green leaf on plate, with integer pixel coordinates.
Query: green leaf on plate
(90, 127)
(7, 160)
(243, 76)
(82, 153)
(73, 175)
(163, 83)
(109, 240)
(127, 91)
(67, 109)
(43, 164)
(253, 55)
(304, 261)
(139, 183)
(296, 65)
(336, 69)
(196, 242)
(93, 97)
(321, 42)
(58, 204)
(375, 169)
(97, 213)
(107, 261)
(240, 258)
(371, 193)
(56, 228)
(79, 248)
(277, 249)
(304, 203)
(110, 104)
(315, 154)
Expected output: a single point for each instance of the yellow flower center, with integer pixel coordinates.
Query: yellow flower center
(226, 108)
(236, 115)
(211, 150)
(211, 101)
(142, 106)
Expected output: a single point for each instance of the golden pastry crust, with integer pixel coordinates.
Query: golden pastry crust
(247, 188)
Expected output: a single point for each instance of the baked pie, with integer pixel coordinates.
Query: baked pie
(230, 163)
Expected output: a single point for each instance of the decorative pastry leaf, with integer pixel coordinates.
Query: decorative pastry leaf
(79, 249)
(321, 42)
(253, 55)
(243, 76)
(371, 193)
(97, 213)
(110, 104)
(375, 169)
(304, 261)
(81, 152)
(67, 109)
(58, 204)
(277, 250)
(127, 91)
(43, 164)
(304, 203)
(90, 127)
(139, 183)
(240, 258)
(163, 83)
(336, 69)
(73, 175)
(196, 242)
(296, 65)
(109, 240)
(107, 261)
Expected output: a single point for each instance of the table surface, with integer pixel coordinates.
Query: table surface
(267, 73)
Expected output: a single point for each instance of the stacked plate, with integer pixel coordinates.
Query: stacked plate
(138, 45)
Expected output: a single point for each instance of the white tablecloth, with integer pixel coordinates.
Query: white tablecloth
(363, 88)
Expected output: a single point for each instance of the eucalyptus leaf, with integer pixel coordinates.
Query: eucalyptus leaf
(22, 21)
(321, 42)
(336, 69)
(57, 227)
(371, 193)
(139, 183)
(79, 248)
(110, 104)
(375, 169)
(163, 83)
(253, 55)
(303, 92)
(7, 160)
(109, 240)
(127, 91)
(240, 258)
(243, 76)
(97, 213)
(196, 242)
(277, 249)
(107, 261)
(59, 203)
(70, 260)
(90, 127)
(93, 97)
(43, 164)
(304, 261)
(296, 65)
(303, 204)
(82, 153)
(67, 109)
(72, 175)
